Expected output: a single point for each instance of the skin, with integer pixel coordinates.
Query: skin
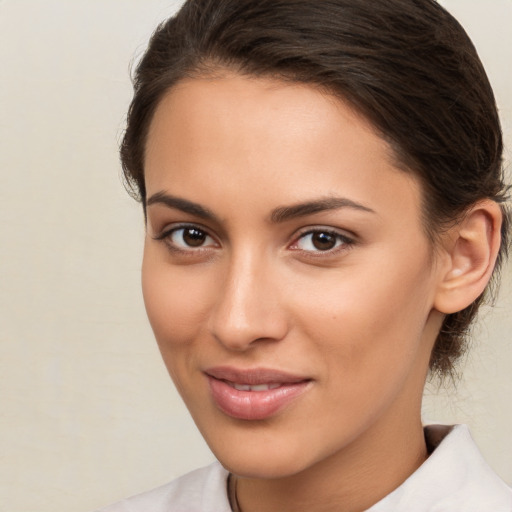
(359, 320)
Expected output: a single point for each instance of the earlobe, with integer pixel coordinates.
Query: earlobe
(471, 248)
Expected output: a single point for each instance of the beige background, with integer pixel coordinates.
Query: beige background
(88, 414)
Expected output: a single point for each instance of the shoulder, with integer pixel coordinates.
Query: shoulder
(455, 477)
(202, 490)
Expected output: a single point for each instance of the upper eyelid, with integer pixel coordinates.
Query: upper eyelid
(156, 220)
(326, 256)
(348, 242)
(165, 237)
(324, 229)
(169, 228)
(159, 215)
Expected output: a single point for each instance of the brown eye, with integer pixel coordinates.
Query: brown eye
(188, 238)
(323, 241)
(194, 237)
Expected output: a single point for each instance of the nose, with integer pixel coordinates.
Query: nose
(248, 309)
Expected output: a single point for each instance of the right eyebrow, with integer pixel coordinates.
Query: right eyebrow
(183, 205)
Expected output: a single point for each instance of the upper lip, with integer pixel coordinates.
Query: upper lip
(253, 376)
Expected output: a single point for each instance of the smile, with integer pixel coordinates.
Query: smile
(254, 394)
(257, 387)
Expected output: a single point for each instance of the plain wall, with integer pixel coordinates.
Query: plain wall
(88, 414)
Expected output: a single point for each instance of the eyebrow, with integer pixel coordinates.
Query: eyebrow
(183, 205)
(284, 213)
(278, 215)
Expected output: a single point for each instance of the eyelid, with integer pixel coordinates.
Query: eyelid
(169, 228)
(165, 235)
(348, 239)
(325, 229)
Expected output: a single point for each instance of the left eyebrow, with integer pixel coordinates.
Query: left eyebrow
(284, 213)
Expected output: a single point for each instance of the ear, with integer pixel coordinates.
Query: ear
(470, 249)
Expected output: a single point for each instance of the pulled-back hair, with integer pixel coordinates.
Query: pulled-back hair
(406, 65)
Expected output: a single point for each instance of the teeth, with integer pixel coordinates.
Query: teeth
(242, 387)
(260, 387)
(257, 387)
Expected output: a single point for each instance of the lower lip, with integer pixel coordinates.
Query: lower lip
(254, 405)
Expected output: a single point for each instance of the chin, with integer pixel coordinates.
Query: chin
(264, 466)
(260, 450)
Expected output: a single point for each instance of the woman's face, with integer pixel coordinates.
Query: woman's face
(286, 273)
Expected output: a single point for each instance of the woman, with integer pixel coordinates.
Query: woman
(324, 201)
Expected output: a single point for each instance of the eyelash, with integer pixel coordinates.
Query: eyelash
(342, 241)
(167, 234)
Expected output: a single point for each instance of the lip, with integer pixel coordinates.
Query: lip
(276, 390)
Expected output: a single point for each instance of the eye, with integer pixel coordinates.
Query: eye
(186, 238)
(321, 241)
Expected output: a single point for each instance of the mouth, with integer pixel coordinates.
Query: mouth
(248, 387)
(255, 394)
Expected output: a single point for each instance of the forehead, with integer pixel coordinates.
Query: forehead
(283, 141)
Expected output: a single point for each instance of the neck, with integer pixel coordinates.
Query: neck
(351, 480)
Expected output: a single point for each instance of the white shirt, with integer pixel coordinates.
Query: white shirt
(455, 478)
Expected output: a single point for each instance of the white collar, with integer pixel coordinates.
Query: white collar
(454, 478)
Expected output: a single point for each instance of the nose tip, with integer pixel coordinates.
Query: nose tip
(241, 332)
(248, 311)
(242, 336)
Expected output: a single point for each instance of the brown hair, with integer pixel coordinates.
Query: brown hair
(406, 65)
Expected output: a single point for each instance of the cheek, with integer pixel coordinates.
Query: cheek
(371, 320)
(175, 301)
